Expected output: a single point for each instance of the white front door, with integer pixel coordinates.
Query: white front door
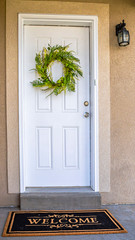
(56, 133)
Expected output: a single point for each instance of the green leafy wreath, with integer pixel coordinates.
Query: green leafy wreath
(71, 69)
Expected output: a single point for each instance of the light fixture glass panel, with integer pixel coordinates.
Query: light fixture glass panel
(120, 37)
(125, 37)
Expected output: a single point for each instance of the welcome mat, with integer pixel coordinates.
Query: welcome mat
(43, 223)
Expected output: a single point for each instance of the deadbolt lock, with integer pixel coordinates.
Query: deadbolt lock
(86, 103)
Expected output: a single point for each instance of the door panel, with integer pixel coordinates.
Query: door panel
(56, 133)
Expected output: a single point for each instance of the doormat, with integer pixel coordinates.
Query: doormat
(45, 223)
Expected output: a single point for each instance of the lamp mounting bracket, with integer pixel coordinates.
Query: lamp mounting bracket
(119, 27)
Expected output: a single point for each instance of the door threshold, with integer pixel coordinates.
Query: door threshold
(58, 189)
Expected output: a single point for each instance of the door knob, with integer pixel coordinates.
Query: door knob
(86, 114)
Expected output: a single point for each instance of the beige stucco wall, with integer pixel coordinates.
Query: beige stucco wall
(122, 108)
(122, 85)
(100, 10)
(5, 198)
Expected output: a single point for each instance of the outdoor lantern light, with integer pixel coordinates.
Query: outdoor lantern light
(122, 34)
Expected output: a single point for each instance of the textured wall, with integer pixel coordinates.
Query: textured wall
(100, 10)
(5, 198)
(122, 108)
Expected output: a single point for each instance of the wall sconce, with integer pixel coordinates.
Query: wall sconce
(122, 34)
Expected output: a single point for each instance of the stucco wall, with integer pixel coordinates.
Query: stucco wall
(5, 198)
(47, 7)
(122, 82)
(122, 108)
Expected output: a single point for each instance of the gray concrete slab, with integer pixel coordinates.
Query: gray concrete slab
(59, 200)
(125, 214)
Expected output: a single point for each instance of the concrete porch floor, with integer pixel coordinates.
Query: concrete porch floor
(125, 214)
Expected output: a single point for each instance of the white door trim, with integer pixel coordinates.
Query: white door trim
(72, 20)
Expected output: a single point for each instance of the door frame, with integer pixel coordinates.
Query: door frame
(65, 20)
